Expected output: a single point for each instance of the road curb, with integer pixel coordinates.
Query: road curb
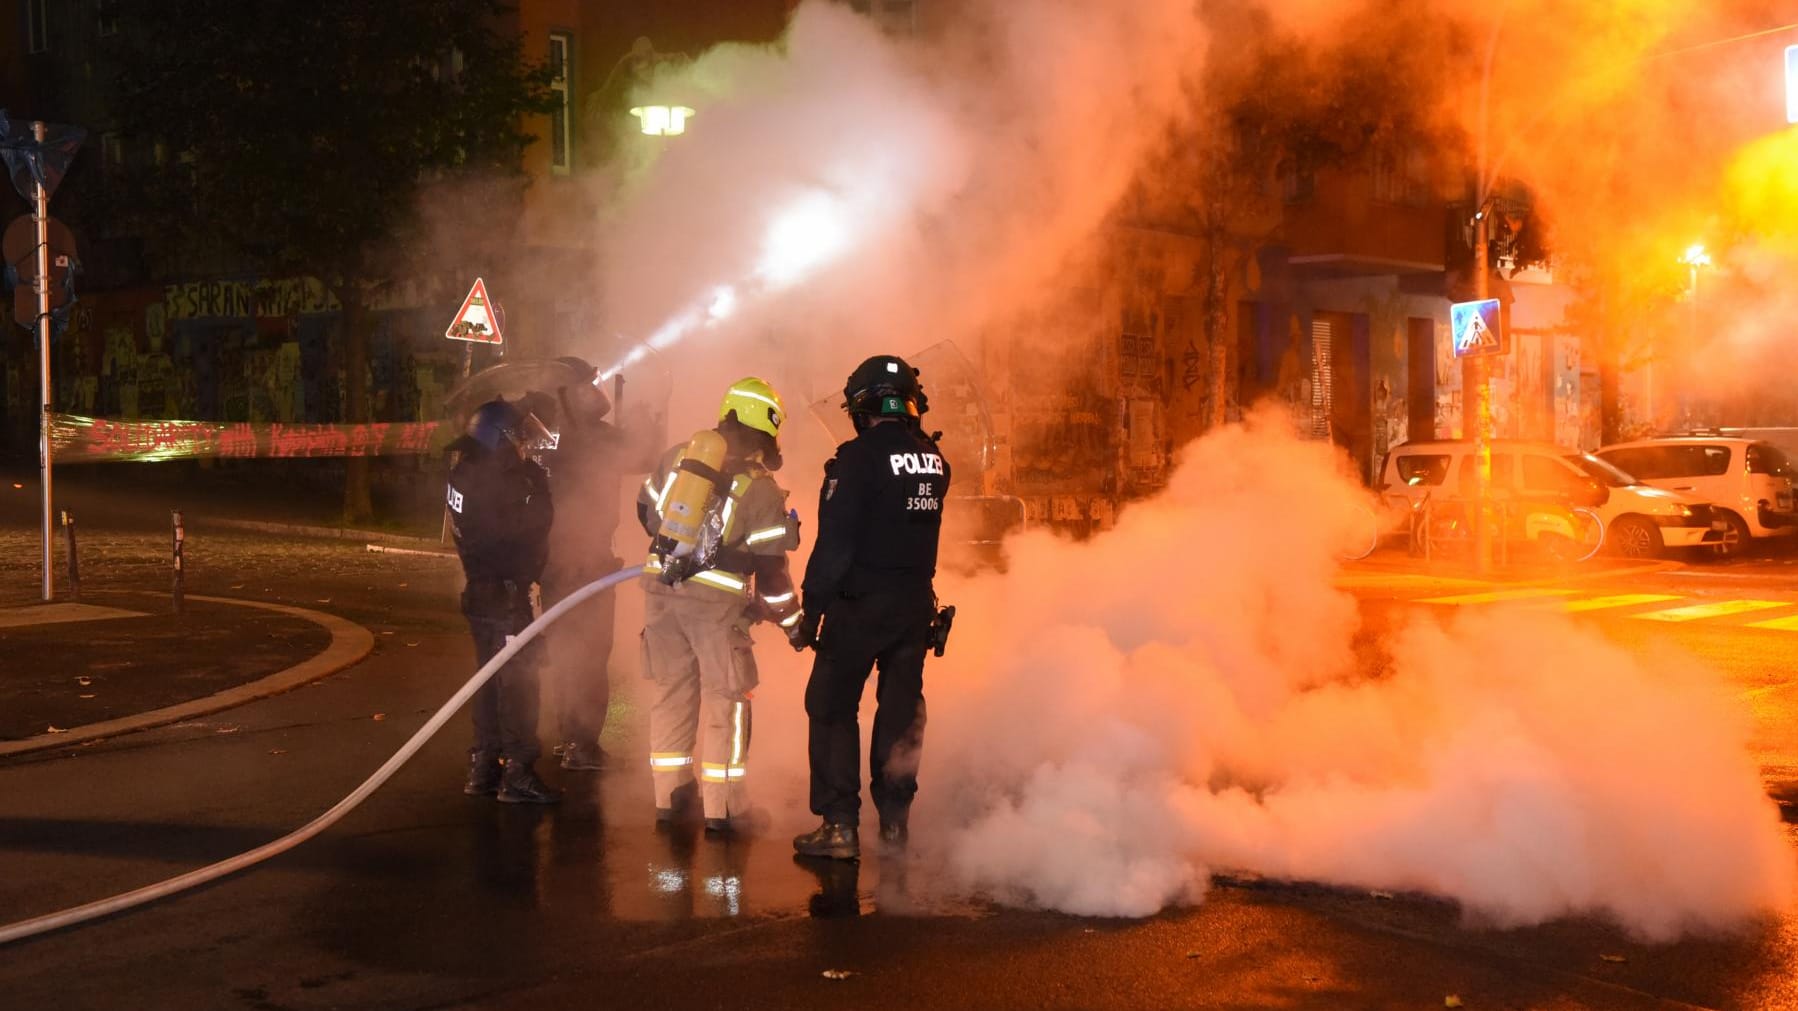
(349, 644)
(321, 532)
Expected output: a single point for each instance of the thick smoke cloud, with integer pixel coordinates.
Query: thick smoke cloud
(1183, 695)
(870, 195)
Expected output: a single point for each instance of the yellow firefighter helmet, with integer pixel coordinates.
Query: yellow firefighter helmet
(756, 405)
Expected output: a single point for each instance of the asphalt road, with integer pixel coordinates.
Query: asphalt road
(424, 899)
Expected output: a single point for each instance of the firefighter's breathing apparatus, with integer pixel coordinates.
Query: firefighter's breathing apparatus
(692, 520)
(193, 879)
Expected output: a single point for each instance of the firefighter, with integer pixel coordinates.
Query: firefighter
(500, 513)
(720, 533)
(869, 582)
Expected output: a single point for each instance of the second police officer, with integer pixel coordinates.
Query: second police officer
(869, 581)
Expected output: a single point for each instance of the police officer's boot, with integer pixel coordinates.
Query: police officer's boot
(520, 785)
(582, 757)
(483, 774)
(830, 839)
(894, 834)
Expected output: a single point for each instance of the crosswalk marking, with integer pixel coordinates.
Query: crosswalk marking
(1620, 600)
(1720, 609)
(1570, 601)
(1498, 596)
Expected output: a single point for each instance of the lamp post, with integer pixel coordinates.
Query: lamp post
(1476, 379)
(1695, 257)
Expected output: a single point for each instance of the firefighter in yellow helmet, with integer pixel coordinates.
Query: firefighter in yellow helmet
(720, 531)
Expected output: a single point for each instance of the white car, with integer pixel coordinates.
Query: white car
(1748, 481)
(1640, 521)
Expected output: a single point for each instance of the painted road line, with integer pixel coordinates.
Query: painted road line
(1721, 609)
(1620, 600)
(1786, 624)
(1499, 596)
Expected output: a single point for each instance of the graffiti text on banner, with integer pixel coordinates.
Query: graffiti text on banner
(79, 439)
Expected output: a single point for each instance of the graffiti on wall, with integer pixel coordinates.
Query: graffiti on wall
(261, 351)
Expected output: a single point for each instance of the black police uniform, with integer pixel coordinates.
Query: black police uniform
(879, 515)
(585, 468)
(500, 512)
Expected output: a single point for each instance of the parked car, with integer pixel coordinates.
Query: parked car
(1749, 481)
(1640, 521)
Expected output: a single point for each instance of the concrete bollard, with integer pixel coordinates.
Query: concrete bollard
(68, 533)
(180, 544)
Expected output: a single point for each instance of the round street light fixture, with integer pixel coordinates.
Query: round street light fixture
(662, 120)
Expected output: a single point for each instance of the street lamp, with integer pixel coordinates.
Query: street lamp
(662, 120)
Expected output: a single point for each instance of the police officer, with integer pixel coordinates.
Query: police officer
(696, 645)
(500, 514)
(869, 582)
(585, 469)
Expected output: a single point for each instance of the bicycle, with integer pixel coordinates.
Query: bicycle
(1565, 533)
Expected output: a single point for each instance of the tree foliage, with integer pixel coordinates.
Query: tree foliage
(297, 136)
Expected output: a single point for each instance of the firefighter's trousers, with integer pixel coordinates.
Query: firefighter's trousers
(696, 650)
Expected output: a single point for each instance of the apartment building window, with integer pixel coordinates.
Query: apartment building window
(561, 121)
(1402, 177)
(37, 26)
(107, 16)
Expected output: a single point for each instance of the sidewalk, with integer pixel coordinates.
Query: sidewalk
(118, 655)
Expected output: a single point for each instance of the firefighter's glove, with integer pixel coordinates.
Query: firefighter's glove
(804, 633)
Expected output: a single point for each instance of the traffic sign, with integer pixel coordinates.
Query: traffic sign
(1477, 329)
(479, 319)
(1792, 84)
(20, 248)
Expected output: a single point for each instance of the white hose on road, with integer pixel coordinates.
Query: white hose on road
(162, 889)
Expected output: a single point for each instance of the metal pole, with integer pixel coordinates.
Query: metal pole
(1481, 409)
(68, 536)
(1478, 373)
(180, 551)
(42, 217)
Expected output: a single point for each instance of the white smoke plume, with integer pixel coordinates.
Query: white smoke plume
(1184, 695)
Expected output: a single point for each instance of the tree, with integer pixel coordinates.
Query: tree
(300, 138)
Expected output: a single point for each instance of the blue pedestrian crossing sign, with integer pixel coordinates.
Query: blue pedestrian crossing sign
(1792, 84)
(1476, 328)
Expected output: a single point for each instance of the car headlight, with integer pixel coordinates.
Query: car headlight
(1685, 511)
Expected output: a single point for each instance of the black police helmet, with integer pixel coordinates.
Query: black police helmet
(884, 386)
(497, 423)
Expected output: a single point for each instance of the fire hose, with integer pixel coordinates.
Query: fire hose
(212, 872)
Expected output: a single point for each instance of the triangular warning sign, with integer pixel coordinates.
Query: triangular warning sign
(477, 321)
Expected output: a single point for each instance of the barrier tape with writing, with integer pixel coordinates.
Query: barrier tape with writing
(78, 439)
